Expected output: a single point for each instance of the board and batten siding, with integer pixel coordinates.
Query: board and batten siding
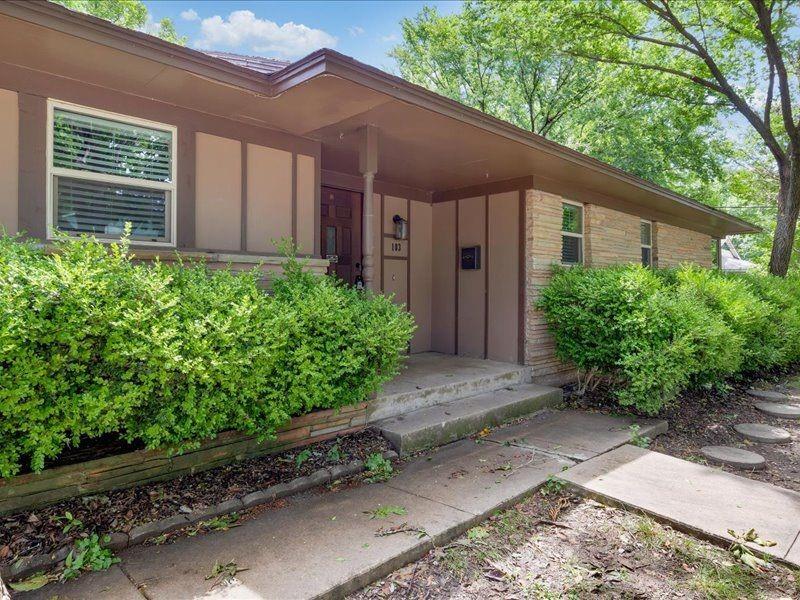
(264, 184)
(9, 162)
(269, 197)
(476, 313)
(214, 211)
(444, 271)
(218, 193)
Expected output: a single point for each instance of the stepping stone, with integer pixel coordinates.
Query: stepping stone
(773, 396)
(782, 411)
(733, 457)
(765, 434)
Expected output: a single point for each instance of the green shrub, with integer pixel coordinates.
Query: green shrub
(652, 334)
(93, 342)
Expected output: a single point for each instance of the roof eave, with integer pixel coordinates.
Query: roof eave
(322, 62)
(335, 63)
(56, 17)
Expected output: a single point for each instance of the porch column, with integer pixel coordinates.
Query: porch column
(367, 235)
(368, 165)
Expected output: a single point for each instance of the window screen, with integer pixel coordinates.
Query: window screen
(646, 233)
(107, 172)
(572, 234)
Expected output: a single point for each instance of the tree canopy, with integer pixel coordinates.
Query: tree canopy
(132, 14)
(651, 86)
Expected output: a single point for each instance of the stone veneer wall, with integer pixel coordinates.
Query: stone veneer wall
(609, 237)
(542, 249)
(144, 466)
(674, 245)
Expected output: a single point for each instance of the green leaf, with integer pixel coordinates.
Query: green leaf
(33, 582)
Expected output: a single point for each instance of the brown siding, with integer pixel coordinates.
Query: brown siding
(269, 197)
(675, 246)
(472, 284)
(395, 279)
(307, 194)
(32, 212)
(420, 230)
(218, 207)
(502, 261)
(35, 87)
(443, 269)
(9, 161)
(610, 236)
(377, 249)
(395, 263)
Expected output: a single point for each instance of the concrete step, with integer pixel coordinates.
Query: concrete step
(457, 419)
(429, 379)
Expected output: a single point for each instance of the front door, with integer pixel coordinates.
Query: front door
(340, 222)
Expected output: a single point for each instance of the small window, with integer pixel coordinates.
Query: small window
(107, 170)
(572, 234)
(646, 229)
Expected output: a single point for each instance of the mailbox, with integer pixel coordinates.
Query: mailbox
(470, 258)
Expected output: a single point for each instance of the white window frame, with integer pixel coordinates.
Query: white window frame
(577, 235)
(650, 246)
(170, 187)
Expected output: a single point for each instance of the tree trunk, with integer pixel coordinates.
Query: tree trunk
(788, 206)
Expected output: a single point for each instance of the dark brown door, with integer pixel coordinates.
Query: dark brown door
(341, 232)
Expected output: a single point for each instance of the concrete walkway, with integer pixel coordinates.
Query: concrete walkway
(327, 545)
(694, 498)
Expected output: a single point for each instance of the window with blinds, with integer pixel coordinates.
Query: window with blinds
(571, 234)
(646, 233)
(106, 171)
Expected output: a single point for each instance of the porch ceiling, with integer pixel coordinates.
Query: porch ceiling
(426, 141)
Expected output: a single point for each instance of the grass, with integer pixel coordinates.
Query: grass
(386, 511)
(713, 573)
(503, 555)
(724, 582)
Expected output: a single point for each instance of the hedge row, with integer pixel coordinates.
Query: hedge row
(92, 342)
(655, 333)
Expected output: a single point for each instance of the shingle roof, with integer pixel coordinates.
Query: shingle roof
(261, 64)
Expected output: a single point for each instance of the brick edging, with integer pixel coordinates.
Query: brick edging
(120, 540)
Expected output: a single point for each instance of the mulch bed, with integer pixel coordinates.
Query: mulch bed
(40, 531)
(706, 418)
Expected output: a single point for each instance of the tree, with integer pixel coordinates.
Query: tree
(506, 59)
(742, 54)
(132, 14)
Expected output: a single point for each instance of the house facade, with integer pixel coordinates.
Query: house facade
(459, 215)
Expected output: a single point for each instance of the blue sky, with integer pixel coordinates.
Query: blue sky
(365, 29)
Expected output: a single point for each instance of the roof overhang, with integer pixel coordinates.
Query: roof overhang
(426, 141)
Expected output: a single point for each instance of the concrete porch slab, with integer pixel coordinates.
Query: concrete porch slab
(478, 478)
(454, 420)
(692, 497)
(575, 434)
(430, 378)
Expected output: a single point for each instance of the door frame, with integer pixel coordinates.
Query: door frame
(358, 208)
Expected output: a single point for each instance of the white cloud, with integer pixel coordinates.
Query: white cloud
(150, 26)
(242, 30)
(392, 37)
(355, 31)
(190, 15)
